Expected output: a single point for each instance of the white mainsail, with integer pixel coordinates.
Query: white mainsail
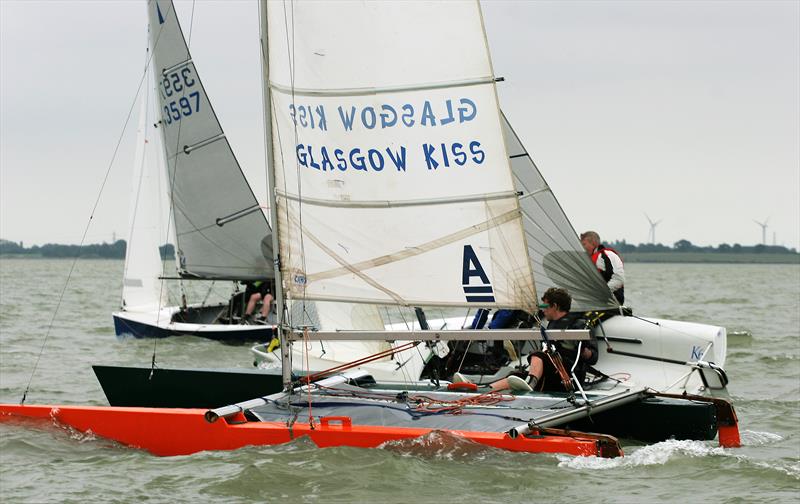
(392, 179)
(220, 228)
(141, 289)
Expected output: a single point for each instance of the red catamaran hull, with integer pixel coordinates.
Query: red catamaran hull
(173, 431)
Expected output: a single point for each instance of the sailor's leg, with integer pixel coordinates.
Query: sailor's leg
(501, 384)
(251, 303)
(265, 307)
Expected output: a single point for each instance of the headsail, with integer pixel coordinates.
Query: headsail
(557, 258)
(392, 178)
(141, 290)
(221, 231)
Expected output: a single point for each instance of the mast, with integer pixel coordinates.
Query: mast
(286, 351)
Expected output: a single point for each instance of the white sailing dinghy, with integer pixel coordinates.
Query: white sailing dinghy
(391, 185)
(219, 229)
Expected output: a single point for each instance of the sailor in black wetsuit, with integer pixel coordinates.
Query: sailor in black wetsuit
(542, 373)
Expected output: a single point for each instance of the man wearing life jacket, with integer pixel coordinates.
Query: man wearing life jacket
(608, 262)
(542, 371)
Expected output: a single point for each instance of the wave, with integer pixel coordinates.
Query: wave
(439, 445)
(655, 454)
(730, 301)
(778, 358)
(757, 438)
(740, 338)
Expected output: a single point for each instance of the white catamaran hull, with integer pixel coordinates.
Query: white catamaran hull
(664, 355)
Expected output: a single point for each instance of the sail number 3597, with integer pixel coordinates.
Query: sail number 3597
(185, 103)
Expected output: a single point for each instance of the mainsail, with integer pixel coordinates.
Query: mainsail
(557, 258)
(392, 179)
(221, 230)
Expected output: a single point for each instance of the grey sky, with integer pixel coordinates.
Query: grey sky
(689, 111)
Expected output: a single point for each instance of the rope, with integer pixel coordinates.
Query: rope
(427, 404)
(343, 367)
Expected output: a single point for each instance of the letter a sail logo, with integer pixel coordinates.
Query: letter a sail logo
(160, 16)
(482, 293)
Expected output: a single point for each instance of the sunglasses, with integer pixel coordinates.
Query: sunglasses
(542, 306)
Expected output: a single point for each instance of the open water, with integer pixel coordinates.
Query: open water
(759, 304)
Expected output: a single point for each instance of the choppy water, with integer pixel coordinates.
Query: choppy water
(759, 304)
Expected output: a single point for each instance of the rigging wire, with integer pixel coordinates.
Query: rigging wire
(172, 191)
(89, 222)
(290, 48)
(291, 52)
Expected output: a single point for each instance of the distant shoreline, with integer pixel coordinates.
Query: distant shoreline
(710, 258)
(630, 257)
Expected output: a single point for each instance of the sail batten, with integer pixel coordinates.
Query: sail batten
(398, 203)
(376, 90)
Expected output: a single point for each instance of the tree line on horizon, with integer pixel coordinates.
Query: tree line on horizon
(116, 250)
(686, 246)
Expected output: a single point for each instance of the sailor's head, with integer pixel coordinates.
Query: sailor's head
(557, 300)
(590, 240)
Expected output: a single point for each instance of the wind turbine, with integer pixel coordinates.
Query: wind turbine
(763, 230)
(652, 235)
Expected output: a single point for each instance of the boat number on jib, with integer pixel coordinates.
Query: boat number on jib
(471, 267)
(176, 96)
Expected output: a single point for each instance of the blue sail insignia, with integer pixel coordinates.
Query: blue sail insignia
(471, 267)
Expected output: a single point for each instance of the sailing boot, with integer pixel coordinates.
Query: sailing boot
(517, 384)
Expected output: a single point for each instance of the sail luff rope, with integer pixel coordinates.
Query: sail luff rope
(88, 224)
